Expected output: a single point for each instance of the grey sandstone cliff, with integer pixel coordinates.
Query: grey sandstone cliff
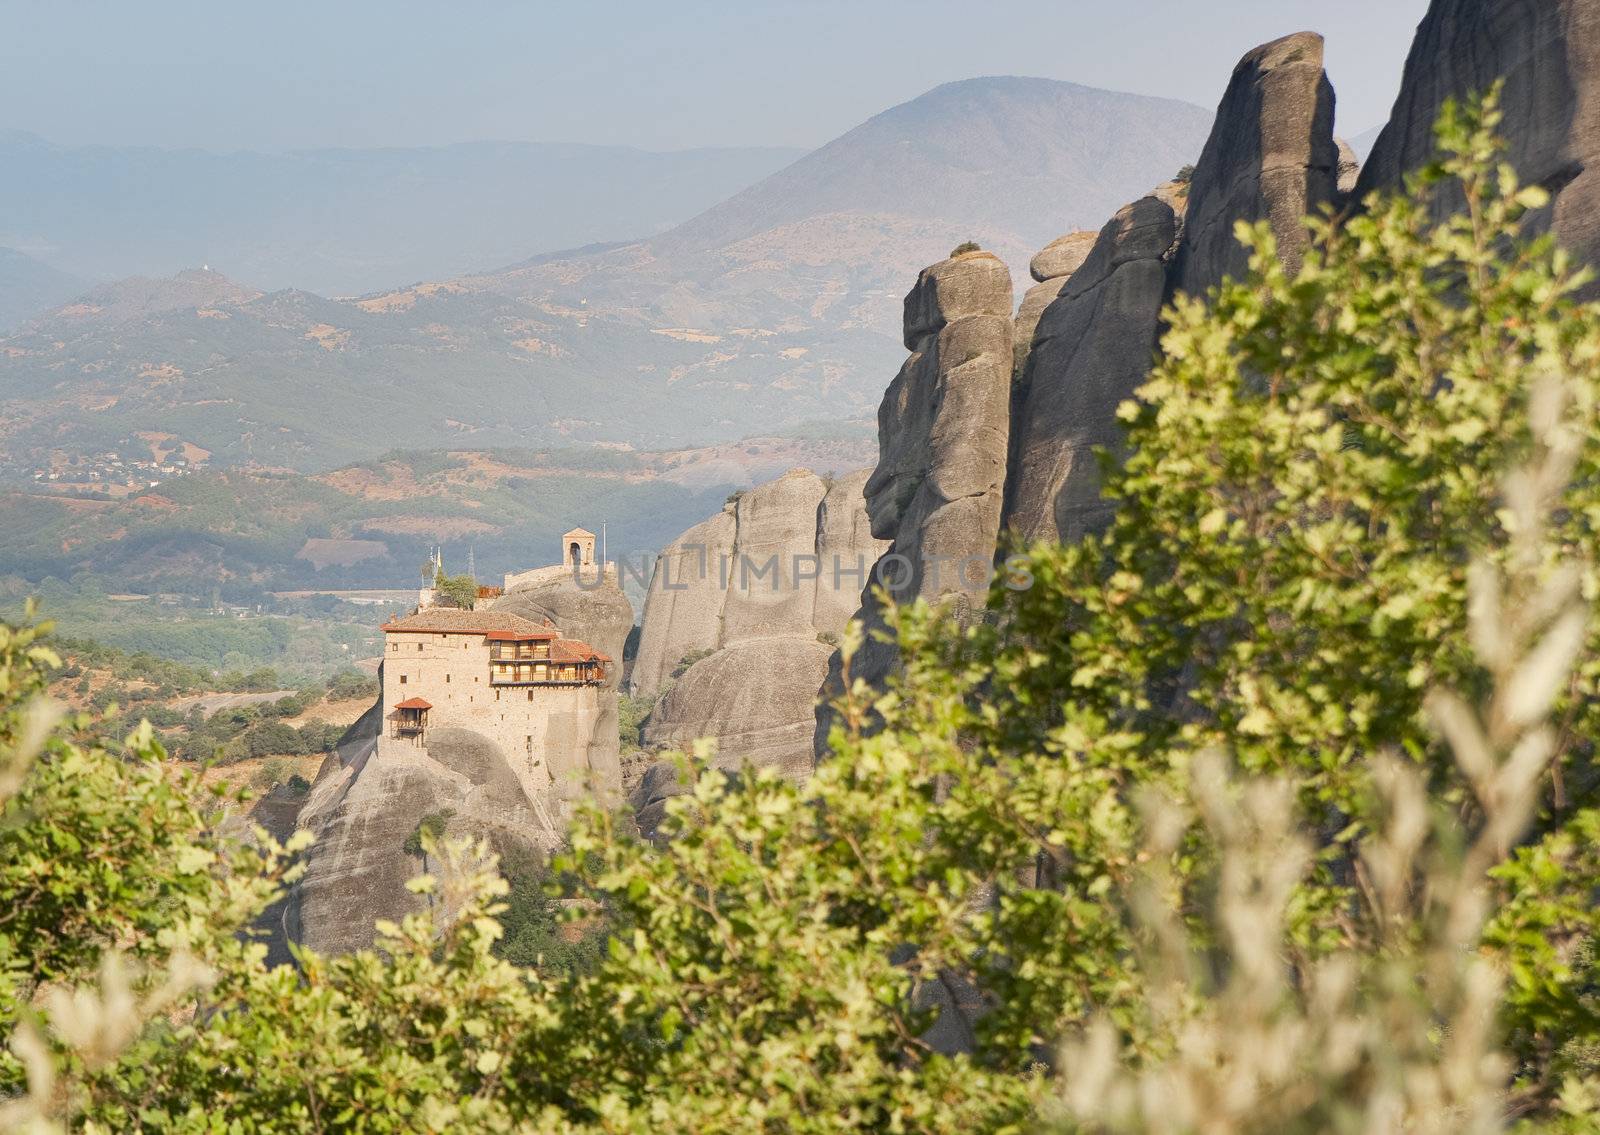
(1092, 348)
(1548, 52)
(943, 426)
(1051, 267)
(749, 598)
(1270, 156)
(683, 608)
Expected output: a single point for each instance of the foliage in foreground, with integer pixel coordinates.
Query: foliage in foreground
(1268, 810)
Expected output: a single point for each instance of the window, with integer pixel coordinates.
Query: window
(402, 679)
(419, 647)
(447, 679)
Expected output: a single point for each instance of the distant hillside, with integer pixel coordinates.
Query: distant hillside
(139, 299)
(347, 221)
(780, 306)
(29, 287)
(370, 525)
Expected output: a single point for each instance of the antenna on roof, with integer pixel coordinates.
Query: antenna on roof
(472, 560)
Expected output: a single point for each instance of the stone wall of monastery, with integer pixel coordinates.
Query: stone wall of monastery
(542, 731)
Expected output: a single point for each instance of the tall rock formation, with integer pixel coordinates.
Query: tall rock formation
(1271, 155)
(365, 806)
(683, 608)
(942, 430)
(1548, 52)
(943, 426)
(1091, 350)
(752, 599)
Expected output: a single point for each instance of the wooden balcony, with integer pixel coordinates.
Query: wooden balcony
(519, 652)
(543, 674)
(410, 718)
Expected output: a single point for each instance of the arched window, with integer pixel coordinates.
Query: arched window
(576, 551)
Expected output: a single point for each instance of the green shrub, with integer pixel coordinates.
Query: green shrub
(271, 774)
(632, 712)
(350, 684)
(532, 922)
(689, 659)
(428, 832)
(456, 590)
(965, 247)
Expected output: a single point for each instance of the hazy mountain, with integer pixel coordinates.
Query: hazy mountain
(29, 287)
(836, 238)
(779, 306)
(1029, 157)
(347, 221)
(1363, 142)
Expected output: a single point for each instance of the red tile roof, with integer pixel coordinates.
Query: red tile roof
(571, 650)
(414, 703)
(453, 620)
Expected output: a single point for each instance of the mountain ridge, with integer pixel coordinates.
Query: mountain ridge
(779, 306)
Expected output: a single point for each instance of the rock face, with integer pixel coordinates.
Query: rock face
(1349, 169)
(683, 610)
(754, 591)
(1062, 256)
(1271, 156)
(943, 425)
(1052, 267)
(942, 435)
(755, 698)
(365, 805)
(1548, 51)
(1092, 348)
(1029, 312)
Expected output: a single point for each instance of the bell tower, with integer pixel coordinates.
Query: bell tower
(577, 548)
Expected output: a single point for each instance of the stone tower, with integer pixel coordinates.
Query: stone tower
(577, 548)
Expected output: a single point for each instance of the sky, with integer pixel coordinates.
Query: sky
(661, 75)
